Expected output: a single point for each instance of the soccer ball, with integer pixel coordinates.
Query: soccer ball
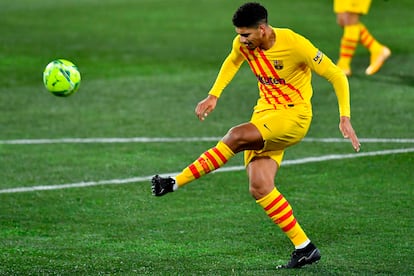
(61, 77)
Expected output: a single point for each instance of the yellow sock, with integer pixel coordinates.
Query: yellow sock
(368, 41)
(280, 212)
(349, 43)
(210, 160)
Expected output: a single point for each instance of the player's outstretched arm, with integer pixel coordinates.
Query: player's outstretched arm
(348, 132)
(206, 106)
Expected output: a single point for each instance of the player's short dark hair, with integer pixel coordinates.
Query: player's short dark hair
(250, 15)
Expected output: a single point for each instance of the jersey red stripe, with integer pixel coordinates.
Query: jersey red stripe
(259, 65)
(272, 69)
(266, 91)
(269, 92)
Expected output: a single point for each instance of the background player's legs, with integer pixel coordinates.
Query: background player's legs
(349, 40)
(355, 32)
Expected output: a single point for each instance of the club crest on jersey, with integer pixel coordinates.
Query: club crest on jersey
(278, 64)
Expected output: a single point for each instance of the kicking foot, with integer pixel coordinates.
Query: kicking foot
(300, 257)
(377, 60)
(162, 185)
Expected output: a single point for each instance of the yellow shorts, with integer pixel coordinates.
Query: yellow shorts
(355, 6)
(280, 129)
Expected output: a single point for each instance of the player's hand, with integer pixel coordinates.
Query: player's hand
(348, 132)
(206, 106)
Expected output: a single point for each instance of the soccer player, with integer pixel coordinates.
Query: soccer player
(282, 61)
(348, 13)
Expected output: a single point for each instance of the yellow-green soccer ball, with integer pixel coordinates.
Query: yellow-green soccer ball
(61, 77)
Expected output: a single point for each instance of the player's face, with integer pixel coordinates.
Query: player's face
(251, 37)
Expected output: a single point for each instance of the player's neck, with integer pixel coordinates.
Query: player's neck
(269, 39)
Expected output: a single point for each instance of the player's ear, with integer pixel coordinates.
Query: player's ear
(262, 29)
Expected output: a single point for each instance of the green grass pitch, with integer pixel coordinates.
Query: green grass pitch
(145, 65)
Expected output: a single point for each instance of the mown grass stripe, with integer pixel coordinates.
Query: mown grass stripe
(224, 169)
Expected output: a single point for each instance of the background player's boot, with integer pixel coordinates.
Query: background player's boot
(161, 186)
(301, 257)
(377, 60)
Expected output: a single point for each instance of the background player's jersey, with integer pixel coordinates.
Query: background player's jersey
(283, 71)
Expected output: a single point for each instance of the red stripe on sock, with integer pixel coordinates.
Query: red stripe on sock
(348, 47)
(213, 160)
(362, 32)
(350, 40)
(204, 164)
(280, 209)
(289, 226)
(284, 217)
(194, 171)
(219, 154)
(370, 43)
(273, 203)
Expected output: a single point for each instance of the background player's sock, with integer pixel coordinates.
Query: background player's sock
(379, 52)
(369, 41)
(349, 42)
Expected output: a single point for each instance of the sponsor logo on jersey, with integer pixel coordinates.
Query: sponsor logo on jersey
(270, 80)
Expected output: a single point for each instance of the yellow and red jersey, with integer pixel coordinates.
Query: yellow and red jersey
(283, 72)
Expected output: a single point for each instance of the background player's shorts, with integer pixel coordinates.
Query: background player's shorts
(280, 129)
(355, 6)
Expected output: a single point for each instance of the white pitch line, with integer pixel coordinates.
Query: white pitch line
(224, 169)
(180, 139)
(107, 140)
